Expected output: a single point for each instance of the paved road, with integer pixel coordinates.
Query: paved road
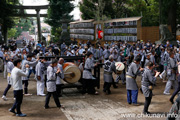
(85, 107)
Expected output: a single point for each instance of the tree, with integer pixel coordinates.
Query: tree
(59, 11)
(12, 32)
(6, 20)
(96, 9)
(22, 25)
(123, 8)
(149, 9)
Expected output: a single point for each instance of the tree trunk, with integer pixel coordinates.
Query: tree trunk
(5, 34)
(160, 12)
(172, 17)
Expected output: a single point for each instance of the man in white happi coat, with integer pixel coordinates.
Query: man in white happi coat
(40, 68)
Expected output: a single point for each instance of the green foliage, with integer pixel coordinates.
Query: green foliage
(96, 9)
(123, 8)
(149, 11)
(12, 32)
(57, 33)
(7, 10)
(23, 25)
(59, 10)
(87, 8)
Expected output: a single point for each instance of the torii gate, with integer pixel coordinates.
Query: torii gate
(38, 15)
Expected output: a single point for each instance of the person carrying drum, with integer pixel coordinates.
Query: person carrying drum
(109, 68)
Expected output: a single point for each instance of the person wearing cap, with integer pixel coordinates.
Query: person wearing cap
(52, 73)
(88, 79)
(131, 85)
(10, 66)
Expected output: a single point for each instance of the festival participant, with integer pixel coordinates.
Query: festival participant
(16, 75)
(131, 84)
(59, 83)
(171, 73)
(25, 79)
(106, 53)
(89, 80)
(40, 68)
(6, 56)
(178, 88)
(109, 68)
(122, 77)
(52, 73)
(10, 66)
(148, 80)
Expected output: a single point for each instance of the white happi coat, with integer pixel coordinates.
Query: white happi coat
(10, 66)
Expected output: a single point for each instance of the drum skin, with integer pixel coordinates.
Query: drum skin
(72, 73)
(119, 67)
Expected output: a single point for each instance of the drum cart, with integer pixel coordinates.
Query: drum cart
(78, 84)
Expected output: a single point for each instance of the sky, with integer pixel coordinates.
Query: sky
(75, 12)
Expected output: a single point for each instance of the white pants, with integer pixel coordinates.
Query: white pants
(5, 70)
(169, 84)
(40, 87)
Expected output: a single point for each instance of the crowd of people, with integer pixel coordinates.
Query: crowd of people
(148, 60)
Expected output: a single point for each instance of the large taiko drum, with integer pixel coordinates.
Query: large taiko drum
(72, 73)
(119, 67)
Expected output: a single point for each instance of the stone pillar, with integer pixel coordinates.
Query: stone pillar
(63, 33)
(39, 25)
